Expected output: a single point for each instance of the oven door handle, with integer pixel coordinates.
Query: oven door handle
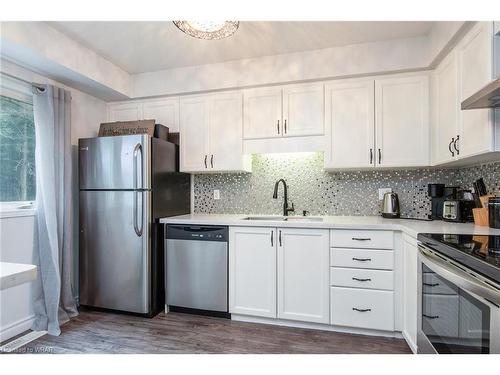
(459, 277)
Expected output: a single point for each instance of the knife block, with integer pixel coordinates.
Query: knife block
(481, 216)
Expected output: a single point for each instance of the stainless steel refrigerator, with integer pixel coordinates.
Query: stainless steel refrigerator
(126, 184)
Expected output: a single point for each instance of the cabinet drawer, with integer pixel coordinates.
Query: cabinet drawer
(362, 278)
(362, 308)
(364, 239)
(361, 258)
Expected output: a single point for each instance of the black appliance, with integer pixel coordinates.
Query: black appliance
(494, 212)
(458, 294)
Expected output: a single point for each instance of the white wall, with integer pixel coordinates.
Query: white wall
(16, 233)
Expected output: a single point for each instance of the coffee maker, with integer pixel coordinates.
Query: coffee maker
(439, 193)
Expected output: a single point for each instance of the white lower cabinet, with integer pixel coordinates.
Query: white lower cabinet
(410, 285)
(362, 278)
(303, 275)
(252, 271)
(371, 309)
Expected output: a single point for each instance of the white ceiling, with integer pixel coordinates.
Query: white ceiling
(139, 47)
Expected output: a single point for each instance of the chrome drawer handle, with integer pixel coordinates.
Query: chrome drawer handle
(362, 259)
(427, 284)
(431, 316)
(355, 278)
(361, 239)
(361, 310)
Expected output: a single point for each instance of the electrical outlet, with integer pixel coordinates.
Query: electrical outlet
(216, 194)
(382, 191)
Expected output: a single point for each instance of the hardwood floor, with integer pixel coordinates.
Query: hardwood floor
(99, 332)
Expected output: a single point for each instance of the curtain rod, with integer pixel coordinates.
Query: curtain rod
(37, 85)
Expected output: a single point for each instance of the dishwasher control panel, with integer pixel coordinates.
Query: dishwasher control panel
(201, 233)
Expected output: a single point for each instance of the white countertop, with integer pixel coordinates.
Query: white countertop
(12, 274)
(410, 227)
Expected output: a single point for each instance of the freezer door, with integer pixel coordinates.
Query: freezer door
(115, 253)
(121, 162)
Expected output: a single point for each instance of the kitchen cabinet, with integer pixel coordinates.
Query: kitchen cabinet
(446, 112)
(350, 120)
(475, 58)
(289, 111)
(402, 121)
(381, 122)
(163, 111)
(303, 275)
(211, 133)
(252, 271)
(410, 285)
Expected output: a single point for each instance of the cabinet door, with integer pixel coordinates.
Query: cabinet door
(252, 271)
(402, 121)
(226, 133)
(194, 118)
(164, 111)
(476, 70)
(446, 109)
(303, 110)
(303, 275)
(350, 121)
(124, 112)
(410, 284)
(262, 111)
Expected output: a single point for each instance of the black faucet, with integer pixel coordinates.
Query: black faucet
(286, 209)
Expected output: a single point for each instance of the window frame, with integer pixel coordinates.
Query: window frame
(17, 90)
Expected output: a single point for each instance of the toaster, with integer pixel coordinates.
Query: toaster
(458, 210)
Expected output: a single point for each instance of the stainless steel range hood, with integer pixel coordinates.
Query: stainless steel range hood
(487, 97)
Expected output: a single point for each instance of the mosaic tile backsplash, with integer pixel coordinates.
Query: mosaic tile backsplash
(327, 193)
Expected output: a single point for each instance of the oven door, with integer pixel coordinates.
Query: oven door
(458, 311)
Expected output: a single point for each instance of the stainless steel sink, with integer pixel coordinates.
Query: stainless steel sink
(284, 218)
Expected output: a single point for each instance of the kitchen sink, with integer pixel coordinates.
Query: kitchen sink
(284, 218)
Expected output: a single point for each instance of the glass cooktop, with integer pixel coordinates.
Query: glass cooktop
(481, 253)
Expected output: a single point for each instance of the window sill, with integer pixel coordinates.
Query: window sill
(8, 210)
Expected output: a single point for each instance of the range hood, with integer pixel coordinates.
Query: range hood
(487, 97)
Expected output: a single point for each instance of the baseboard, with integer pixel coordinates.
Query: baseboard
(317, 326)
(410, 342)
(14, 329)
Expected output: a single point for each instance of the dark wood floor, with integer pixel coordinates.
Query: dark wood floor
(99, 332)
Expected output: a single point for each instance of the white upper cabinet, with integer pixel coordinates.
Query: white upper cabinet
(350, 124)
(124, 112)
(303, 110)
(194, 130)
(211, 133)
(164, 111)
(252, 271)
(445, 110)
(262, 109)
(291, 111)
(303, 275)
(402, 121)
(475, 56)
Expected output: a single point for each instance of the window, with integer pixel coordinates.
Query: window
(17, 149)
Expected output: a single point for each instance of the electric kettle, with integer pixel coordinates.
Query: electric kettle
(390, 206)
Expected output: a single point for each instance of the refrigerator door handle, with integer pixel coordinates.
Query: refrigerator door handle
(138, 230)
(137, 149)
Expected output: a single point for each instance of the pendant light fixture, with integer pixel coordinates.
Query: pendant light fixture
(209, 30)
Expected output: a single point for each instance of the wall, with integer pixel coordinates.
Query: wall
(323, 193)
(16, 241)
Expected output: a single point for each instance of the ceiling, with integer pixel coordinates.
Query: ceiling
(139, 47)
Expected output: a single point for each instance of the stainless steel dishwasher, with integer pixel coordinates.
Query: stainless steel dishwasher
(197, 269)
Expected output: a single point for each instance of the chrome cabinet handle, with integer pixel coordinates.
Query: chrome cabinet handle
(431, 316)
(278, 126)
(272, 238)
(371, 156)
(361, 310)
(362, 259)
(455, 145)
(379, 156)
(361, 239)
(206, 161)
(355, 278)
(279, 239)
(285, 126)
(449, 147)
(212, 160)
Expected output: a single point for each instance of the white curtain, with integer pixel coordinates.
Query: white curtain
(53, 295)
